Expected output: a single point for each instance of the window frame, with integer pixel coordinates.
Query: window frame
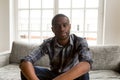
(99, 28)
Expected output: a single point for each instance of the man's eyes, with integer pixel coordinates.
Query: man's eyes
(58, 25)
(65, 25)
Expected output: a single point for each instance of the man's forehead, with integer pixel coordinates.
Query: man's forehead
(61, 20)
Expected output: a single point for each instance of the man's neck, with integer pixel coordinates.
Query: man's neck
(63, 42)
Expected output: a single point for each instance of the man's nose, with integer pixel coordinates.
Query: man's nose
(62, 28)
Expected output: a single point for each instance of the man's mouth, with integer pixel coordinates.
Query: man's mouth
(63, 34)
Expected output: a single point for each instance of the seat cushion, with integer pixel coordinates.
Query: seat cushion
(10, 72)
(104, 75)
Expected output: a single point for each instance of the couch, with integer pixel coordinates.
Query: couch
(106, 61)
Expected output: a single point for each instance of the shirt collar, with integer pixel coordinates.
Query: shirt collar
(71, 40)
(56, 44)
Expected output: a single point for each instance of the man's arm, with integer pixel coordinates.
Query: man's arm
(75, 72)
(28, 70)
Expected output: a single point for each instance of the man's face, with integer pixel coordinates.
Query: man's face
(61, 28)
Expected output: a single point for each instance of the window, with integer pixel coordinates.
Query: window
(33, 22)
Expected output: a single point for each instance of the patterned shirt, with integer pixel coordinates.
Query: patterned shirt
(62, 58)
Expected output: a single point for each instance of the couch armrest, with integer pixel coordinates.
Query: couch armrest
(4, 58)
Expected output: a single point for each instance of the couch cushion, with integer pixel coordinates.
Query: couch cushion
(13, 73)
(20, 49)
(10, 72)
(105, 57)
(104, 75)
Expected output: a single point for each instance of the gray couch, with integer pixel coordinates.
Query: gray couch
(106, 61)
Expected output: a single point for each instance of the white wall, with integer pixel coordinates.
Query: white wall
(4, 25)
(112, 22)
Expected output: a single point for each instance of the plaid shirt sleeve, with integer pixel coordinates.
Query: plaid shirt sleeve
(36, 54)
(84, 52)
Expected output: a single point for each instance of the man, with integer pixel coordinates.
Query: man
(69, 55)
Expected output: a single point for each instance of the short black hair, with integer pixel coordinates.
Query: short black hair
(56, 16)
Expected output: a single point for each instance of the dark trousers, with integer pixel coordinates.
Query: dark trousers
(46, 74)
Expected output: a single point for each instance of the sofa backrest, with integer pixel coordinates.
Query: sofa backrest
(20, 49)
(104, 57)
